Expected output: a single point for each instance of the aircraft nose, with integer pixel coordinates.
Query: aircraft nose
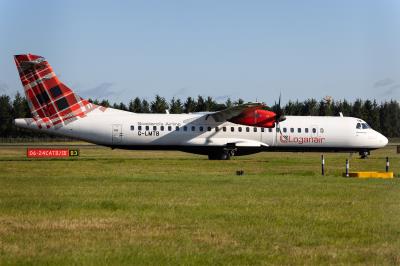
(383, 140)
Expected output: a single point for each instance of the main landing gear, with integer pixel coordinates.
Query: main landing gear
(225, 154)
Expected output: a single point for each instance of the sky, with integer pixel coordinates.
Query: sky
(254, 50)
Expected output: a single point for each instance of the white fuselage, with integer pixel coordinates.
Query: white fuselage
(198, 132)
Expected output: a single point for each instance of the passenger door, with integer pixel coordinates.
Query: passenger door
(116, 134)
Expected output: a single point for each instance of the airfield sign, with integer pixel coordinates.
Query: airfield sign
(51, 153)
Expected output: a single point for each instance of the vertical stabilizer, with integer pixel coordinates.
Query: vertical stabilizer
(51, 102)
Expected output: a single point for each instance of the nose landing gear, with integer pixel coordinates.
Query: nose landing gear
(364, 154)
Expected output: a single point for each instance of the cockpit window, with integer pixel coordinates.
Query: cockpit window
(358, 126)
(365, 125)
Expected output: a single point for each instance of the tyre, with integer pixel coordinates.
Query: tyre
(219, 156)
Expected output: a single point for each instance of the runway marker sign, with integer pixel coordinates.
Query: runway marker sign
(51, 153)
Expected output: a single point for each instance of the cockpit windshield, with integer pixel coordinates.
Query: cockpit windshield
(362, 126)
(365, 126)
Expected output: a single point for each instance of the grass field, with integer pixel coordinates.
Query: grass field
(131, 207)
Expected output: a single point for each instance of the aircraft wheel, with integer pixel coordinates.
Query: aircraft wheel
(364, 154)
(219, 156)
(225, 156)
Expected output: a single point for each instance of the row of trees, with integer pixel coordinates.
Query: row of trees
(174, 106)
(384, 117)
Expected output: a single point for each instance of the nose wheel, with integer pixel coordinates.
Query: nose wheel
(364, 154)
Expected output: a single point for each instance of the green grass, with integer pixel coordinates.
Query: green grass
(132, 207)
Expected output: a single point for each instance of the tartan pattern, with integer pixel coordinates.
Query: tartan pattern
(51, 102)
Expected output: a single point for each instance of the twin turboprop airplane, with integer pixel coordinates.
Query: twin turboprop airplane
(240, 130)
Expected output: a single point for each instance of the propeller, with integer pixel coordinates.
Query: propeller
(280, 116)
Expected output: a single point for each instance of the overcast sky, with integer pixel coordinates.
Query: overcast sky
(249, 49)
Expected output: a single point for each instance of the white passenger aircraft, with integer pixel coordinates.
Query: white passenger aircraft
(240, 130)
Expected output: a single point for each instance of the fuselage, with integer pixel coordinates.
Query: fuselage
(199, 133)
(236, 130)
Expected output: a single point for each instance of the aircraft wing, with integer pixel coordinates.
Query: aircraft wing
(232, 112)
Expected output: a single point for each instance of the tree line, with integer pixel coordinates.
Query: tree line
(383, 117)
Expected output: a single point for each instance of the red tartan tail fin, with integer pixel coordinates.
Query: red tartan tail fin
(49, 100)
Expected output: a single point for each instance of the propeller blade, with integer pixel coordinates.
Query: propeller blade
(279, 113)
(280, 95)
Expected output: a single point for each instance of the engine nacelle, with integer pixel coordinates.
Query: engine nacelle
(256, 118)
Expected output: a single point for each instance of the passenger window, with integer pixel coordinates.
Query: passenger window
(314, 130)
(224, 129)
(201, 129)
(278, 129)
(154, 128)
(209, 129)
(132, 128)
(232, 129)
(147, 128)
(284, 130)
(262, 129)
(185, 128)
(240, 129)
(321, 130)
(162, 128)
(169, 128)
(139, 128)
(365, 126)
(306, 130)
(291, 130)
(177, 128)
(247, 129)
(269, 130)
(298, 130)
(255, 129)
(193, 128)
(358, 126)
(216, 129)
